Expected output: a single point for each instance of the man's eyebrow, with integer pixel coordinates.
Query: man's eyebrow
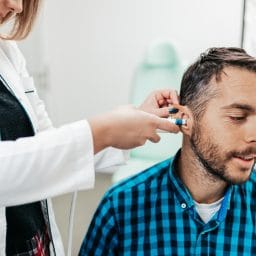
(241, 106)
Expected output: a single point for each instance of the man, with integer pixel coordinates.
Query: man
(202, 201)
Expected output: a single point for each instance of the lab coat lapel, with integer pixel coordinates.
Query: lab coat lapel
(14, 82)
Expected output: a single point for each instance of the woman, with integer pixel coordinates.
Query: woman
(38, 161)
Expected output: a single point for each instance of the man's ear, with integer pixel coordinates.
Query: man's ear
(185, 113)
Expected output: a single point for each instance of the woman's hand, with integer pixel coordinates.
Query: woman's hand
(159, 102)
(127, 127)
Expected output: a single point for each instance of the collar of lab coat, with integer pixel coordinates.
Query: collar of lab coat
(16, 84)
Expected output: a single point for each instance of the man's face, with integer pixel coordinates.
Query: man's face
(224, 140)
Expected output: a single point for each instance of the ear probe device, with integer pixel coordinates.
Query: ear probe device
(176, 121)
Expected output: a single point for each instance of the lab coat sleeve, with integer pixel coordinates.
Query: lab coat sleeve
(109, 160)
(50, 163)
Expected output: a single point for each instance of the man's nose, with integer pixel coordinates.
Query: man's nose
(251, 130)
(15, 6)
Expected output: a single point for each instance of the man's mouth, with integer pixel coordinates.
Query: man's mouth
(246, 158)
(244, 161)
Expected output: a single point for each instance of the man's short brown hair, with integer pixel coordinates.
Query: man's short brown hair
(196, 90)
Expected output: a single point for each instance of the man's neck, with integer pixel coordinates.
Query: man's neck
(203, 186)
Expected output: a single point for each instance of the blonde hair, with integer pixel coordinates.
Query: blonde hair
(23, 21)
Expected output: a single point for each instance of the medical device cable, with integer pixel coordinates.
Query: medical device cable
(71, 222)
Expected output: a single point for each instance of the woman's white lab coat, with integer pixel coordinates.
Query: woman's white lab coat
(53, 162)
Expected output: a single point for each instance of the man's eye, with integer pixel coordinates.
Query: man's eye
(238, 118)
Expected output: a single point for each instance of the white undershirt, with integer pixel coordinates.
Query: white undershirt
(206, 211)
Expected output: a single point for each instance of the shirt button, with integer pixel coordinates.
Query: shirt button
(183, 205)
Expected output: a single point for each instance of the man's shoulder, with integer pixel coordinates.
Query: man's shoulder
(143, 180)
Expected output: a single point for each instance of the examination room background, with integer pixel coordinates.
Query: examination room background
(83, 55)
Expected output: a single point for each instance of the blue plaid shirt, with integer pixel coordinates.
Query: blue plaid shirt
(152, 213)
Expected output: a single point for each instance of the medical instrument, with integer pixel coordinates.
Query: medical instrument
(176, 121)
(173, 111)
(71, 223)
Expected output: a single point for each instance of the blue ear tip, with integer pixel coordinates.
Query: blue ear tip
(180, 122)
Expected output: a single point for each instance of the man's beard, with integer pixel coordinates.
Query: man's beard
(209, 157)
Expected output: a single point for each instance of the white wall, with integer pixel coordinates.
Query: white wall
(91, 47)
(94, 45)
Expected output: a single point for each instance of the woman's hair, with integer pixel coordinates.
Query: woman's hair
(23, 21)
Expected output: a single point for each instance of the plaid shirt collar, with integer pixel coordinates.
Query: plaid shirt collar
(185, 199)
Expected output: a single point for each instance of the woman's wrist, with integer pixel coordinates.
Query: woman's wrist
(100, 132)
